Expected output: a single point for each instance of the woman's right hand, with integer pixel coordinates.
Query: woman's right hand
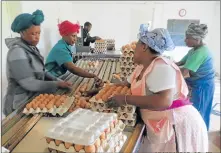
(64, 84)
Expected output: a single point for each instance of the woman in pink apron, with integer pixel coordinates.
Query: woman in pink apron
(159, 90)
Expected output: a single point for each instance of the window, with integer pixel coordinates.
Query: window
(177, 29)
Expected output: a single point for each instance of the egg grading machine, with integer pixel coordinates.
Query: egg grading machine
(25, 133)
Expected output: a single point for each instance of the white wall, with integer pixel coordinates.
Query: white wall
(118, 20)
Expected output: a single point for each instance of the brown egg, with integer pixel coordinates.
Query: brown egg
(87, 99)
(88, 105)
(83, 103)
(78, 147)
(78, 93)
(90, 149)
(28, 106)
(41, 106)
(49, 140)
(103, 136)
(57, 103)
(49, 106)
(67, 145)
(77, 96)
(78, 103)
(34, 106)
(58, 142)
(97, 143)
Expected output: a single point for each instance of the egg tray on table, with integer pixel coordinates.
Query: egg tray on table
(99, 100)
(91, 65)
(45, 103)
(84, 131)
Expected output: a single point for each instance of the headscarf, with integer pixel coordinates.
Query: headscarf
(197, 31)
(26, 20)
(158, 39)
(67, 27)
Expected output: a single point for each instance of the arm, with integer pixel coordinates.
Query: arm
(157, 101)
(88, 38)
(182, 61)
(24, 74)
(51, 77)
(78, 71)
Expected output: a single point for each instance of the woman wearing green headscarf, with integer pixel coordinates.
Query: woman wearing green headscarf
(25, 66)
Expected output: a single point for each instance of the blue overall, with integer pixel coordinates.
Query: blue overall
(202, 86)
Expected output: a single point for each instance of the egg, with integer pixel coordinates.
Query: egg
(67, 145)
(88, 105)
(41, 106)
(77, 96)
(103, 136)
(57, 103)
(58, 142)
(51, 96)
(28, 106)
(34, 106)
(90, 149)
(49, 140)
(78, 147)
(49, 106)
(83, 104)
(97, 143)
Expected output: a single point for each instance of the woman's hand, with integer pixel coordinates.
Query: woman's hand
(98, 82)
(116, 101)
(64, 84)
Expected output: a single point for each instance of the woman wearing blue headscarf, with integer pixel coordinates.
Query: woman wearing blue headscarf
(198, 63)
(25, 66)
(160, 92)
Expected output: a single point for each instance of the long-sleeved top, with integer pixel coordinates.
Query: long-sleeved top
(87, 38)
(26, 74)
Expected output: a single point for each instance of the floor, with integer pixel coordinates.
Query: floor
(214, 131)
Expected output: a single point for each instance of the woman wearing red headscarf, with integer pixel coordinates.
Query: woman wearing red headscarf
(60, 59)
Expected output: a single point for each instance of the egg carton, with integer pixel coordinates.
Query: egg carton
(126, 116)
(103, 107)
(129, 122)
(60, 110)
(84, 127)
(116, 141)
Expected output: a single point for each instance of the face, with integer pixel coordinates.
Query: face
(89, 28)
(139, 52)
(32, 35)
(71, 38)
(191, 42)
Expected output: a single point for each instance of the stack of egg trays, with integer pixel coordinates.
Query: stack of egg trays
(100, 47)
(82, 128)
(127, 64)
(110, 42)
(125, 113)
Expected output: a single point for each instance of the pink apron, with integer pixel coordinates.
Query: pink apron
(160, 125)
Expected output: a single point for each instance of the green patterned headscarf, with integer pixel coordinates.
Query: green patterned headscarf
(26, 20)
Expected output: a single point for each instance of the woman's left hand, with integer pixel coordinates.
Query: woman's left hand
(116, 101)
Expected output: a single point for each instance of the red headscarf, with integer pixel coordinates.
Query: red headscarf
(67, 27)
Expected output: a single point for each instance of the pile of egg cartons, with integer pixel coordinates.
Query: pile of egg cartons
(125, 113)
(100, 46)
(87, 131)
(126, 60)
(49, 103)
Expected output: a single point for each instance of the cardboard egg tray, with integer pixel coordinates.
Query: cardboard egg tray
(83, 130)
(63, 108)
(129, 122)
(101, 106)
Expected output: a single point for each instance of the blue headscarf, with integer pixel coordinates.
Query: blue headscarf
(26, 20)
(158, 39)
